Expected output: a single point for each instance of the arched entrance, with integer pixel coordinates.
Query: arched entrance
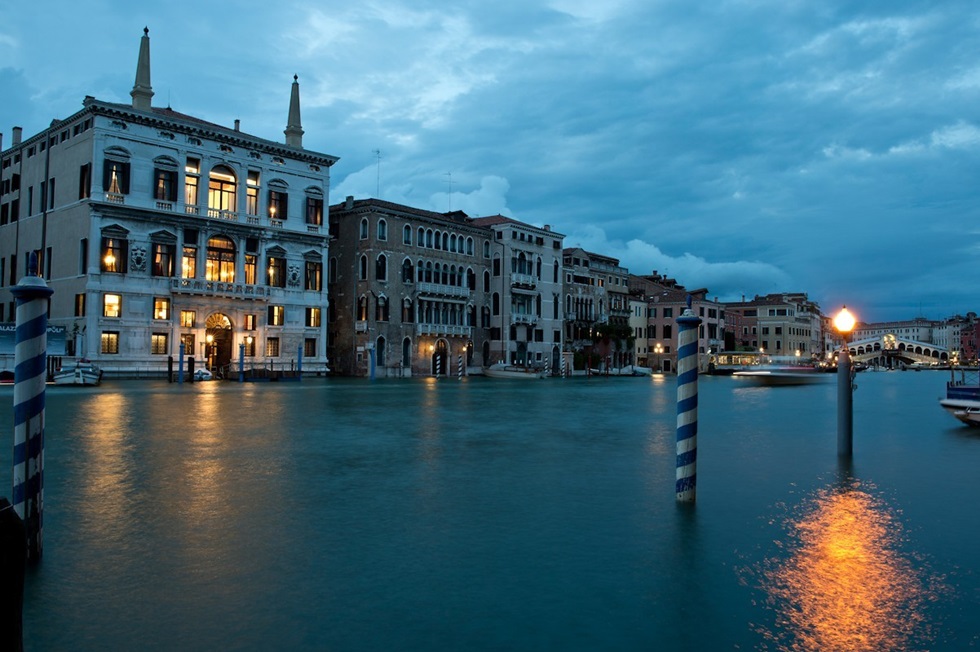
(218, 344)
(440, 359)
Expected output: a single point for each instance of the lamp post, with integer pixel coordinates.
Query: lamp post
(658, 349)
(844, 323)
(209, 350)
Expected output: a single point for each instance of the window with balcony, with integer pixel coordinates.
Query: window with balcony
(252, 193)
(314, 211)
(111, 305)
(161, 308)
(188, 262)
(220, 265)
(192, 172)
(115, 176)
(278, 203)
(165, 184)
(251, 268)
(222, 187)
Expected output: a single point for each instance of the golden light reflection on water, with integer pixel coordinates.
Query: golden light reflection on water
(846, 584)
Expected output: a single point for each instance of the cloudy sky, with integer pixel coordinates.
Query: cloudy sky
(747, 146)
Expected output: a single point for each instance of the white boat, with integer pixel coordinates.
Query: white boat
(501, 370)
(203, 374)
(782, 376)
(85, 372)
(963, 398)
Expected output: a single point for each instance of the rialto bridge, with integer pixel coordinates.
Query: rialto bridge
(894, 352)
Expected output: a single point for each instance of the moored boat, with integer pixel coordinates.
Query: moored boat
(963, 398)
(84, 372)
(780, 376)
(501, 370)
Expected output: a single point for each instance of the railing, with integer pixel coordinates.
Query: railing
(165, 206)
(215, 288)
(520, 318)
(312, 228)
(276, 224)
(215, 213)
(192, 209)
(115, 198)
(252, 220)
(522, 279)
(454, 330)
(444, 290)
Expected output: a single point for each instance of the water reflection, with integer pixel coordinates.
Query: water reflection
(845, 584)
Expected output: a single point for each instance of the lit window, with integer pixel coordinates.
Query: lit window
(191, 172)
(252, 193)
(188, 318)
(220, 264)
(112, 305)
(161, 308)
(251, 268)
(278, 204)
(163, 259)
(277, 272)
(249, 346)
(114, 251)
(187, 339)
(188, 262)
(314, 276)
(158, 344)
(250, 322)
(277, 315)
(164, 185)
(221, 189)
(313, 317)
(110, 342)
(272, 347)
(115, 177)
(314, 211)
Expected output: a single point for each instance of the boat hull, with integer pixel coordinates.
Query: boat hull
(89, 375)
(778, 378)
(964, 410)
(512, 373)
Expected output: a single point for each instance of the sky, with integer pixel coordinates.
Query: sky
(743, 146)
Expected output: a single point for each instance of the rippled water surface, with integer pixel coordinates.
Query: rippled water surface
(494, 515)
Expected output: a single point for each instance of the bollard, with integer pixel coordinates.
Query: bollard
(687, 404)
(299, 363)
(547, 367)
(190, 369)
(180, 364)
(845, 398)
(13, 561)
(170, 369)
(241, 362)
(30, 354)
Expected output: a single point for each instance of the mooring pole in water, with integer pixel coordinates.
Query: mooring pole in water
(299, 363)
(438, 366)
(180, 364)
(30, 374)
(845, 404)
(370, 362)
(687, 404)
(459, 367)
(170, 369)
(190, 369)
(241, 362)
(563, 366)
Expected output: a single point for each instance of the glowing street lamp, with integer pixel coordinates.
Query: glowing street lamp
(844, 323)
(658, 349)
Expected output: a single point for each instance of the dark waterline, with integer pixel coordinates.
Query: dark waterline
(491, 515)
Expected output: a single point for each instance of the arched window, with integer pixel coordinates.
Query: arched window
(362, 309)
(221, 260)
(486, 249)
(421, 239)
(445, 274)
(407, 271)
(445, 241)
(428, 272)
(452, 243)
(380, 348)
(362, 268)
(469, 246)
(408, 312)
(382, 230)
(486, 280)
(428, 238)
(496, 303)
(471, 279)
(452, 276)
(381, 268)
(407, 353)
(438, 242)
(437, 273)
(364, 228)
(407, 235)
(381, 309)
(221, 190)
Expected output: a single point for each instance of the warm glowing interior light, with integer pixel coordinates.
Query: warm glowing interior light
(210, 338)
(844, 321)
(110, 260)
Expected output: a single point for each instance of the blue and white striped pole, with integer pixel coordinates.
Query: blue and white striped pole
(563, 368)
(180, 364)
(687, 404)
(30, 374)
(459, 367)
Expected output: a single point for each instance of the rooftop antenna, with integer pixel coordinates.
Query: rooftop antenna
(450, 175)
(377, 153)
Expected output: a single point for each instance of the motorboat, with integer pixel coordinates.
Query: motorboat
(502, 370)
(203, 374)
(84, 372)
(963, 398)
(779, 376)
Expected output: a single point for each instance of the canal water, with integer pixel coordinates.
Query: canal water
(502, 515)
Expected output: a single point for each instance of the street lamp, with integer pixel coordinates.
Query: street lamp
(209, 354)
(658, 349)
(844, 323)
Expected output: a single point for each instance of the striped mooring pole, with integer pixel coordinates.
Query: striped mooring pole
(563, 366)
(438, 366)
(687, 404)
(459, 367)
(30, 374)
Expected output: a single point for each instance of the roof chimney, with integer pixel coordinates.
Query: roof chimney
(18, 133)
(294, 126)
(349, 204)
(238, 124)
(142, 91)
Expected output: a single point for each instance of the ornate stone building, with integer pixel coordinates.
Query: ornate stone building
(157, 229)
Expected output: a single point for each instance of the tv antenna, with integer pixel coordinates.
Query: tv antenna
(377, 153)
(450, 175)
